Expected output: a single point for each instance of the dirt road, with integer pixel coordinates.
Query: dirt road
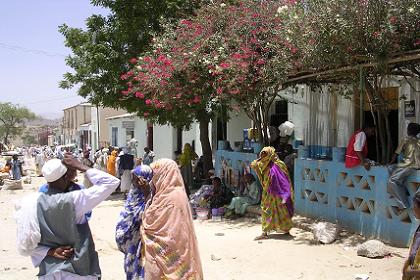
(235, 254)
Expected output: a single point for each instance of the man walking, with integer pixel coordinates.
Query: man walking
(58, 237)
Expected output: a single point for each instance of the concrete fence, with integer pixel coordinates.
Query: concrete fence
(354, 198)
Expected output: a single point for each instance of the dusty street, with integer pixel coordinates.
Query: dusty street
(227, 250)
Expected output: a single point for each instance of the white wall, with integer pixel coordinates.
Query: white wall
(140, 129)
(164, 141)
(320, 117)
(236, 125)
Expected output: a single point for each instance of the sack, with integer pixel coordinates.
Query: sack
(325, 232)
(12, 185)
(28, 234)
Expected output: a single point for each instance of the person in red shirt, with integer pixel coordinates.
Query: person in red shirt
(357, 149)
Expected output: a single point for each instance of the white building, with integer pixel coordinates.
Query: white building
(165, 140)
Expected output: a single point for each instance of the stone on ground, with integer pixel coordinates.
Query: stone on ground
(373, 249)
(325, 232)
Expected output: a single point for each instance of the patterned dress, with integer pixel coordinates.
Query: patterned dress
(276, 184)
(128, 234)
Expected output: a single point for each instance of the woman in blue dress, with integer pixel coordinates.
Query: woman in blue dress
(128, 227)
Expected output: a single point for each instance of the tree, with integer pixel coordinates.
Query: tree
(359, 37)
(227, 55)
(252, 57)
(12, 119)
(102, 51)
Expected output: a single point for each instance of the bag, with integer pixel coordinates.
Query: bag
(12, 185)
(28, 234)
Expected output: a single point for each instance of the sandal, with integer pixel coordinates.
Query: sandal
(261, 237)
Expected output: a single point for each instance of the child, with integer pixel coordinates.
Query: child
(411, 270)
(410, 149)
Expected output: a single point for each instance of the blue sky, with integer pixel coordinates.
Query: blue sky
(28, 78)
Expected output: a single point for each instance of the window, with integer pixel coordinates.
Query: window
(114, 140)
(129, 134)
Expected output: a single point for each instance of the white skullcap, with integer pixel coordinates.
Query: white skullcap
(53, 170)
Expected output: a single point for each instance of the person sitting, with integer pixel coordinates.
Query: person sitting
(410, 149)
(357, 149)
(220, 195)
(6, 168)
(251, 196)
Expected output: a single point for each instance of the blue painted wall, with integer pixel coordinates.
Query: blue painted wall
(354, 198)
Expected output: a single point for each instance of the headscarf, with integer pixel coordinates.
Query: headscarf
(144, 171)
(187, 155)
(171, 249)
(262, 165)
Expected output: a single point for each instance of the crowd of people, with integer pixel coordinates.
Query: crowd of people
(155, 230)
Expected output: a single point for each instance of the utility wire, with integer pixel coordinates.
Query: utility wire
(32, 51)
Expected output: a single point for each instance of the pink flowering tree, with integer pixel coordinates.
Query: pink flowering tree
(229, 55)
(167, 86)
(250, 58)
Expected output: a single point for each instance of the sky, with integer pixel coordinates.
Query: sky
(29, 31)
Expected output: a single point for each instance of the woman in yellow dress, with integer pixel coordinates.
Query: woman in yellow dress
(277, 195)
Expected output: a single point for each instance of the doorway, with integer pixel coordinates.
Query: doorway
(150, 136)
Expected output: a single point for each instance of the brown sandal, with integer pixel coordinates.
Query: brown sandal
(261, 237)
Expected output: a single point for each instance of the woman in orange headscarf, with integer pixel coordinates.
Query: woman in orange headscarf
(111, 168)
(170, 244)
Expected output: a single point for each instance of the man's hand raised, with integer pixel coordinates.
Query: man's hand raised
(73, 163)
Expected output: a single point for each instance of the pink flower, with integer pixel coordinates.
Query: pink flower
(224, 65)
(235, 91)
(148, 102)
(145, 114)
(147, 59)
(124, 77)
(261, 61)
(139, 95)
(219, 90)
(133, 60)
(293, 50)
(186, 22)
(196, 99)
(125, 92)
(376, 34)
(236, 56)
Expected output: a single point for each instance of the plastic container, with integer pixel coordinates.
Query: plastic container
(202, 213)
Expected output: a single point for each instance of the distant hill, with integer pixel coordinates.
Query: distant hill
(44, 122)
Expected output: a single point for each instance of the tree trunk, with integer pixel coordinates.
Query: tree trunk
(6, 136)
(205, 145)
